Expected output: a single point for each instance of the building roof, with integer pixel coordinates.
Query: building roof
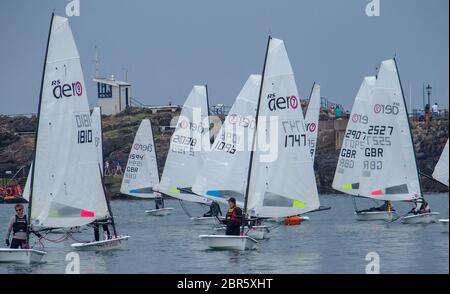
(111, 82)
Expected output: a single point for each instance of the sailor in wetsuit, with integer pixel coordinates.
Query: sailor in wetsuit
(18, 225)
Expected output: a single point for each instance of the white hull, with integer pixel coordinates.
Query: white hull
(223, 242)
(25, 256)
(104, 245)
(159, 212)
(424, 218)
(444, 223)
(256, 232)
(375, 216)
(208, 220)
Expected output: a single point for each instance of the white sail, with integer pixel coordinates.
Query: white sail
(312, 119)
(224, 171)
(441, 169)
(67, 187)
(141, 176)
(26, 189)
(351, 157)
(187, 147)
(389, 164)
(96, 119)
(276, 189)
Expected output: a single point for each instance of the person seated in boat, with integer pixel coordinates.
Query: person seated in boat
(233, 219)
(18, 225)
(423, 208)
(159, 201)
(386, 206)
(104, 223)
(214, 210)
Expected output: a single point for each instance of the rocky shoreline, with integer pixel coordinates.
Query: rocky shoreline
(17, 143)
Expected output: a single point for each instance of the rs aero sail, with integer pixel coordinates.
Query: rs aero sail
(141, 177)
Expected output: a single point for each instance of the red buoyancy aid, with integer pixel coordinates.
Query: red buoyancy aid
(232, 216)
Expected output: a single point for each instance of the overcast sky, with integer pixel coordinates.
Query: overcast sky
(167, 46)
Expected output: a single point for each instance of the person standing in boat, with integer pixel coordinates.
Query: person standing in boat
(159, 201)
(104, 223)
(233, 219)
(18, 225)
(214, 210)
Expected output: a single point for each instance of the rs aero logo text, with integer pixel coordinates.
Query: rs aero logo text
(288, 102)
(61, 90)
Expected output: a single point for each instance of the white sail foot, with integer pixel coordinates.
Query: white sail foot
(255, 232)
(104, 245)
(423, 218)
(24, 256)
(375, 216)
(159, 212)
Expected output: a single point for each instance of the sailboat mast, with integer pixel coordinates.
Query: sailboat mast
(247, 189)
(37, 130)
(102, 174)
(101, 143)
(310, 95)
(208, 114)
(409, 125)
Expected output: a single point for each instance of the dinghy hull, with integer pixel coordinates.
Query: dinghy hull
(223, 242)
(23, 256)
(159, 212)
(424, 218)
(104, 245)
(375, 216)
(256, 232)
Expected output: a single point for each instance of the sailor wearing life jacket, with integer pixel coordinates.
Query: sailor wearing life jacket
(233, 219)
(424, 207)
(18, 225)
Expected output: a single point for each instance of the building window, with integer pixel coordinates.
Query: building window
(104, 90)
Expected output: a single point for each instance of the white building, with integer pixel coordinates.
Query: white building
(113, 95)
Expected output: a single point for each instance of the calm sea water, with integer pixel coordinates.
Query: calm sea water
(332, 242)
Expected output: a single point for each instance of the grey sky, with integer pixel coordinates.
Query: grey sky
(170, 45)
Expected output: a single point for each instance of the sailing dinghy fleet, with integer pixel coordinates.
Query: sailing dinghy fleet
(263, 155)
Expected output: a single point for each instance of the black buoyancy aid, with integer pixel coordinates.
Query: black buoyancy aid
(20, 224)
(231, 215)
